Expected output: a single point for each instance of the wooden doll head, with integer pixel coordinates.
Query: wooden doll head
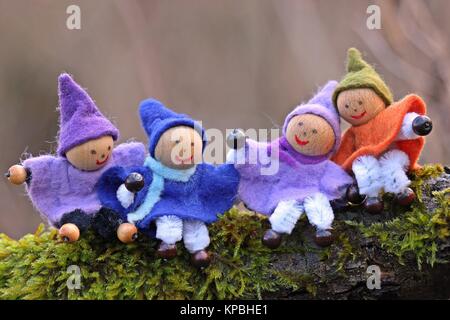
(180, 148)
(91, 155)
(359, 106)
(310, 135)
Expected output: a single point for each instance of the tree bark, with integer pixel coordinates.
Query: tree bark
(397, 281)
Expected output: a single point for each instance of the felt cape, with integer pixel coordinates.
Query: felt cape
(199, 193)
(298, 176)
(380, 133)
(57, 187)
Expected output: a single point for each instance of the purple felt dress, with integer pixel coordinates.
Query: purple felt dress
(298, 176)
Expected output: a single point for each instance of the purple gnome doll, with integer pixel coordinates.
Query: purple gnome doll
(305, 180)
(174, 191)
(62, 187)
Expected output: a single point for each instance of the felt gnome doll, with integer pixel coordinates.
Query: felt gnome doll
(306, 180)
(62, 187)
(385, 138)
(174, 190)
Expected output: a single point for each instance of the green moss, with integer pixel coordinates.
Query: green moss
(417, 232)
(35, 267)
(346, 252)
(420, 176)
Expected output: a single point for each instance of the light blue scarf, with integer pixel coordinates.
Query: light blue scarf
(160, 172)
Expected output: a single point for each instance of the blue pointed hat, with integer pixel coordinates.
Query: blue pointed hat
(157, 119)
(80, 119)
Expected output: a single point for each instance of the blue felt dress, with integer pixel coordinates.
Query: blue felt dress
(201, 192)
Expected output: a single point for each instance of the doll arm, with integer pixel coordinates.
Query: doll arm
(40, 171)
(21, 173)
(120, 188)
(414, 126)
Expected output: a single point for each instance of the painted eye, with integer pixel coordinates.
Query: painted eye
(93, 152)
(177, 141)
(314, 131)
(109, 148)
(360, 102)
(300, 124)
(346, 106)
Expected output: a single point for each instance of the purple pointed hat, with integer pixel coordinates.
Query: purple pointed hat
(80, 119)
(321, 105)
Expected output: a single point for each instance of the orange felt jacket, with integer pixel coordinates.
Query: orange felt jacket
(377, 136)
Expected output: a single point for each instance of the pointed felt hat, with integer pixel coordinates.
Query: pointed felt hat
(157, 119)
(80, 119)
(320, 105)
(362, 75)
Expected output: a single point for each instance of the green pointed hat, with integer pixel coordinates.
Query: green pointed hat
(362, 75)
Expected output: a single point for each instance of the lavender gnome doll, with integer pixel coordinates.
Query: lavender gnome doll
(62, 187)
(174, 191)
(305, 180)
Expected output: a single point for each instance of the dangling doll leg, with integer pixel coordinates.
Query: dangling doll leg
(368, 176)
(196, 240)
(169, 229)
(72, 224)
(394, 164)
(320, 214)
(282, 221)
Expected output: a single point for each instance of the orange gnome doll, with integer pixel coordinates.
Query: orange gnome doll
(385, 139)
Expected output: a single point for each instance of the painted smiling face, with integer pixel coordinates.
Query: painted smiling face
(179, 148)
(91, 155)
(359, 106)
(310, 135)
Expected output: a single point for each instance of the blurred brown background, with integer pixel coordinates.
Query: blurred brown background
(229, 63)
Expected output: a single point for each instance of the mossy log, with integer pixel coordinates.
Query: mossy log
(411, 248)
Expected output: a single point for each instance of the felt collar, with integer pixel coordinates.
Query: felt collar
(160, 173)
(169, 173)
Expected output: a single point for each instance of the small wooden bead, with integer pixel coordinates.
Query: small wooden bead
(422, 125)
(324, 241)
(406, 198)
(69, 232)
(271, 239)
(17, 174)
(374, 205)
(134, 182)
(201, 259)
(127, 232)
(236, 139)
(166, 251)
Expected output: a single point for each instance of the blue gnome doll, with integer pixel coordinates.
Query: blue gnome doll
(174, 196)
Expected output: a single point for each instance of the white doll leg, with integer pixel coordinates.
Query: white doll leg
(195, 235)
(169, 229)
(319, 212)
(285, 216)
(368, 176)
(394, 163)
